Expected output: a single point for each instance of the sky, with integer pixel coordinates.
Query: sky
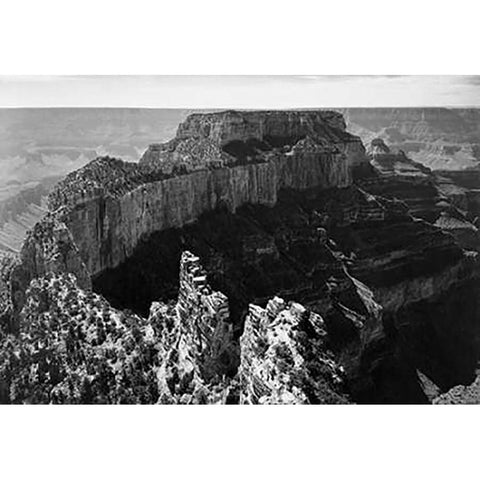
(302, 91)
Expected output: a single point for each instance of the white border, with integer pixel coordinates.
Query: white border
(244, 37)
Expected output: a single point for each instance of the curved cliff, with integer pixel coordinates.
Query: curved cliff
(216, 160)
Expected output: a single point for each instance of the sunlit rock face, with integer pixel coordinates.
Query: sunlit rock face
(460, 395)
(48, 248)
(197, 353)
(284, 359)
(7, 264)
(71, 346)
(216, 160)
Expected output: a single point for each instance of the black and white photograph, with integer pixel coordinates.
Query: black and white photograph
(239, 240)
(287, 256)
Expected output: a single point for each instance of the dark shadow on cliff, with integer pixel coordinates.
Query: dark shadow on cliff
(250, 256)
(260, 252)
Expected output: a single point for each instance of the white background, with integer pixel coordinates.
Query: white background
(243, 37)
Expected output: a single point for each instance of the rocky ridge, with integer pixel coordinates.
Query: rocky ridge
(73, 347)
(284, 359)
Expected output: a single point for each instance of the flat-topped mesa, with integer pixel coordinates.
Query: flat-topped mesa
(216, 160)
(231, 137)
(274, 127)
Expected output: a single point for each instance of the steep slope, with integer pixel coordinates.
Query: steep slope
(20, 208)
(430, 302)
(429, 196)
(111, 205)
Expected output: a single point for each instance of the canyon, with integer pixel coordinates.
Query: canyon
(439, 138)
(263, 257)
(40, 146)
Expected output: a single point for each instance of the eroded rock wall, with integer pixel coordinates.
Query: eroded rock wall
(112, 205)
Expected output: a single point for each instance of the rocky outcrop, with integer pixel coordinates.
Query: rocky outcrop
(7, 264)
(48, 248)
(226, 159)
(246, 136)
(284, 359)
(71, 346)
(196, 346)
(466, 234)
(460, 395)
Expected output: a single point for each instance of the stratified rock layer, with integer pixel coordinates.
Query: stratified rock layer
(227, 159)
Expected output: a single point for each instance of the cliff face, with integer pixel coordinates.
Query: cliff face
(244, 135)
(216, 160)
(420, 281)
(256, 252)
(429, 196)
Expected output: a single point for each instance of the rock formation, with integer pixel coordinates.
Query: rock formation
(48, 248)
(73, 347)
(460, 395)
(284, 359)
(330, 275)
(226, 159)
(428, 195)
(7, 265)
